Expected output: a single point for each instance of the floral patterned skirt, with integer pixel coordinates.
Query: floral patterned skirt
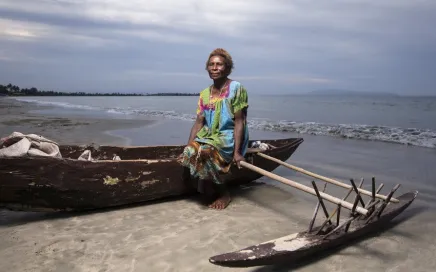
(204, 162)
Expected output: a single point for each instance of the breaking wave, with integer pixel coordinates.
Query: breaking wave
(57, 104)
(407, 136)
(154, 113)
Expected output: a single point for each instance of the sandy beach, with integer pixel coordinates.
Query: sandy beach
(181, 235)
(18, 116)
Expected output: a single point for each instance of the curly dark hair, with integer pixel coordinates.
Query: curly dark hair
(227, 59)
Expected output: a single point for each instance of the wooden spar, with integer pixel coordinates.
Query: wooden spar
(302, 187)
(322, 202)
(346, 222)
(373, 204)
(357, 191)
(377, 191)
(316, 211)
(387, 200)
(326, 179)
(379, 188)
(356, 200)
(338, 208)
(382, 206)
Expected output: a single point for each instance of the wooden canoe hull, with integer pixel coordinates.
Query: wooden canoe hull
(296, 246)
(142, 174)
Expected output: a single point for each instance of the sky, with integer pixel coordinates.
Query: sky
(278, 46)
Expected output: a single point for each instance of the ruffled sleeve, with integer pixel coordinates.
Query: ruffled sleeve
(200, 108)
(240, 100)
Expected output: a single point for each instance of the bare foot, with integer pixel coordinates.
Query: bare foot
(221, 202)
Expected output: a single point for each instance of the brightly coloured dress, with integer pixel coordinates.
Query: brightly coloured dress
(212, 150)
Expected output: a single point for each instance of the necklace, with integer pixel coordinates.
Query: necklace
(211, 104)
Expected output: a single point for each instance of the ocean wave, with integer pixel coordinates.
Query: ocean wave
(407, 136)
(57, 104)
(154, 113)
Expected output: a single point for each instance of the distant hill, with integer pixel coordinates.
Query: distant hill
(349, 93)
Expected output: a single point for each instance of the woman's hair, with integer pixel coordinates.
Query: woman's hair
(227, 58)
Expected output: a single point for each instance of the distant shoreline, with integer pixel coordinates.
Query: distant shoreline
(100, 94)
(15, 91)
(332, 92)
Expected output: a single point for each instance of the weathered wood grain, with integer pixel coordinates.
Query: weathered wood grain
(143, 174)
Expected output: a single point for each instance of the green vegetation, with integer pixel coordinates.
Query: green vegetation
(13, 90)
(173, 94)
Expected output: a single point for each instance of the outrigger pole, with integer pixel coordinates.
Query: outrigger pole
(326, 179)
(370, 217)
(306, 189)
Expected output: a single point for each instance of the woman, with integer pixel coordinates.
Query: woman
(219, 135)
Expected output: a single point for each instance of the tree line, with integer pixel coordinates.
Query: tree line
(13, 90)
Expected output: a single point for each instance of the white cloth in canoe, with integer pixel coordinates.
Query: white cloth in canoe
(261, 146)
(19, 145)
(86, 156)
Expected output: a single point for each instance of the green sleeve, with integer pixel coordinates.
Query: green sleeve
(240, 100)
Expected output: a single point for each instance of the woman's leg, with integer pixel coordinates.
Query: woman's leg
(205, 164)
(217, 194)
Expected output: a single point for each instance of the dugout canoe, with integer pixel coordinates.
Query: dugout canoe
(144, 173)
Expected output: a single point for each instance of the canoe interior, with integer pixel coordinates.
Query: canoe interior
(296, 246)
(144, 173)
(147, 152)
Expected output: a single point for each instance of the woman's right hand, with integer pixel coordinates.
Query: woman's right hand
(180, 157)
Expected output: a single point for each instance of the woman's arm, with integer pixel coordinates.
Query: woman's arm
(240, 105)
(238, 134)
(239, 130)
(199, 122)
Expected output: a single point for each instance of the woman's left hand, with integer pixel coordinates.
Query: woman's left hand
(237, 158)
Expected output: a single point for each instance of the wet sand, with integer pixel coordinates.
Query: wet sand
(18, 116)
(180, 234)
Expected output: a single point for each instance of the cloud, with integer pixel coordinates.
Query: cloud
(375, 45)
(21, 30)
(301, 79)
(288, 79)
(153, 73)
(224, 17)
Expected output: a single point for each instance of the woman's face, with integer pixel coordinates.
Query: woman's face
(216, 67)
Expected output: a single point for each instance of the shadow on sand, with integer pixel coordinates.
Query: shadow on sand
(15, 218)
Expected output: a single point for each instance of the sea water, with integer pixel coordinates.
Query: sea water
(402, 120)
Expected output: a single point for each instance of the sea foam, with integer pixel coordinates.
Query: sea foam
(407, 136)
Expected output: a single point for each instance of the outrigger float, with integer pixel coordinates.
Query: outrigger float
(371, 216)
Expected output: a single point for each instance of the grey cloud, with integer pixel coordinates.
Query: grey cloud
(365, 45)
